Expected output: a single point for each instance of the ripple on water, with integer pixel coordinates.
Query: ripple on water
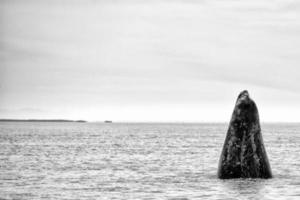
(136, 161)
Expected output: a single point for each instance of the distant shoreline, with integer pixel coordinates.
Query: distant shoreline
(130, 122)
(41, 120)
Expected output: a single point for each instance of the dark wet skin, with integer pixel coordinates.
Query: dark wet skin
(244, 154)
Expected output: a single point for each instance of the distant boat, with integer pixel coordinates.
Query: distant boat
(107, 121)
(81, 121)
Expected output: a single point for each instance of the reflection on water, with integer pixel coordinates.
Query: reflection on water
(251, 188)
(137, 161)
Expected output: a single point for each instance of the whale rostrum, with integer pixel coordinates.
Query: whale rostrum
(244, 154)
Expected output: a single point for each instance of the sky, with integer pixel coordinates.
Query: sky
(149, 60)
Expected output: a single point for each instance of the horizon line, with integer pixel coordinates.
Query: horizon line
(124, 121)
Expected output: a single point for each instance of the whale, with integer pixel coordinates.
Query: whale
(244, 154)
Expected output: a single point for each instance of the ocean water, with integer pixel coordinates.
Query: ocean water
(137, 161)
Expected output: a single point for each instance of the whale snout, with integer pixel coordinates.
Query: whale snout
(243, 94)
(243, 98)
(245, 108)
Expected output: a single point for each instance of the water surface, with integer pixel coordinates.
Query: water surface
(137, 161)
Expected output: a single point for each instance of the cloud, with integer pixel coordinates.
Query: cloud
(126, 53)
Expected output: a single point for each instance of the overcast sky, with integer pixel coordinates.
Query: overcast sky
(148, 60)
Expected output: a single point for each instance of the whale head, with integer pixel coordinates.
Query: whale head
(243, 154)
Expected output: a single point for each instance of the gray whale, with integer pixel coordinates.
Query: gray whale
(244, 154)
